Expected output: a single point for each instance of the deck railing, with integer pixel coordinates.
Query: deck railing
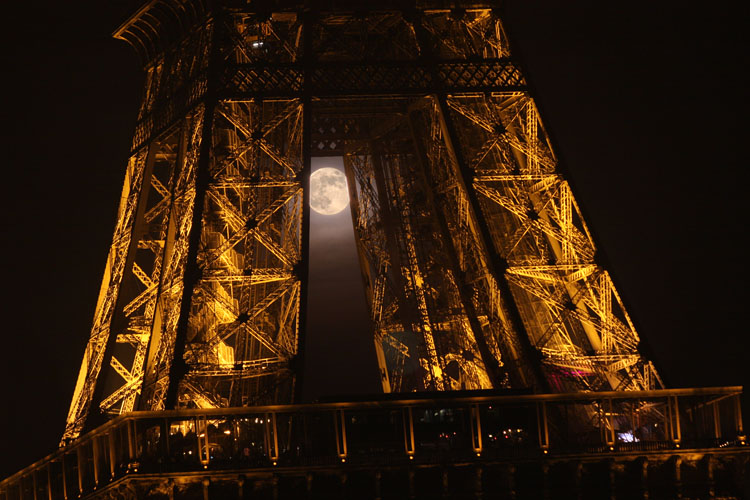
(429, 429)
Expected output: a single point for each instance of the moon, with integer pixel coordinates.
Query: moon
(329, 194)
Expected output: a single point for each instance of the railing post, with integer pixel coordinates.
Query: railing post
(476, 429)
(738, 417)
(79, 461)
(271, 437)
(95, 455)
(668, 431)
(717, 420)
(34, 484)
(339, 424)
(408, 432)
(609, 425)
(542, 429)
(164, 450)
(131, 440)
(201, 427)
(275, 436)
(112, 452)
(674, 412)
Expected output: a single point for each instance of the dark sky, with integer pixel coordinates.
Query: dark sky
(646, 101)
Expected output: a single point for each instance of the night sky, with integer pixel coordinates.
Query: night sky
(647, 104)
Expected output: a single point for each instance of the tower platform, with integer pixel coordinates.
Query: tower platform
(678, 443)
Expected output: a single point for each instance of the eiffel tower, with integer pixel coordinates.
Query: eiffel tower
(480, 273)
(479, 269)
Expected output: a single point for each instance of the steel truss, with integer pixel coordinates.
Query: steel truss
(479, 269)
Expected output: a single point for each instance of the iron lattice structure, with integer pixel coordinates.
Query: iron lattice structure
(479, 269)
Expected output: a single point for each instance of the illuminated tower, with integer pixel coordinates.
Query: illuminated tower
(479, 269)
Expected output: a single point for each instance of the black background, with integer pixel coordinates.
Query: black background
(646, 101)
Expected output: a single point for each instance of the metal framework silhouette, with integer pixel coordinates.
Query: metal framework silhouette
(479, 269)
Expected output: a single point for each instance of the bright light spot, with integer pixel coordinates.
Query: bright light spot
(227, 432)
(257, 44)
(627, 437)
(329, 194)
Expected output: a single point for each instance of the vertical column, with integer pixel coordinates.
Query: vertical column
(609, 424)
(339, 423)
(408, 420)
(542, 428)
(738, 419)
(95, 456)
(112, 452)
(272, 438)
(79, 468)
(131, 440)
(34, 484)
(49, 481)
(674, 420)
(201, 432)
(476, 429)
(716, 420)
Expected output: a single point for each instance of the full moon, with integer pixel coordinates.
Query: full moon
(328, 192)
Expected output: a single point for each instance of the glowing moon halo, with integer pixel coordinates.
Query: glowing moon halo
(329, 194)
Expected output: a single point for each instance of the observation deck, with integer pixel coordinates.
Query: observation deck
(648, 444)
